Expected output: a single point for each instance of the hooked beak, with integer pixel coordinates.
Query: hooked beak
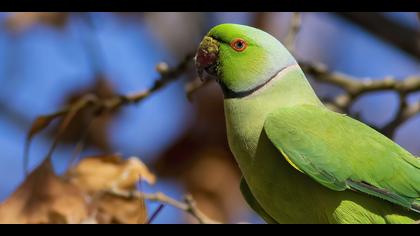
(206, 57)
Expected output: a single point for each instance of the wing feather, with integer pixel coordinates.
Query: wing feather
(342, 153)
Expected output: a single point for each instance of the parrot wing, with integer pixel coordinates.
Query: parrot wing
(253, 203)
(342, 153)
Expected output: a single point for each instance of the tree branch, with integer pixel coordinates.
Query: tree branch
(155, 214)
(295, 25)
(356, 87)
(188, 204)
(194, 85)
(100, 106)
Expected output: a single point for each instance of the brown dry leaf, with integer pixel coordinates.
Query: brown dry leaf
(96, 175)
(86, 123)
(44, 198)
(20, 21)
(84, 196)
(41, 123)
(38, 125)
(118, 210)
(109, 172)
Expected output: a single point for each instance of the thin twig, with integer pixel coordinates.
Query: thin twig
(101, 106)
(193, 86)
(356, 86)
(402, 116)
(167, 75)
(68, 118)
(82, 141)
(155, 214)
(188, 205)
(295, 25)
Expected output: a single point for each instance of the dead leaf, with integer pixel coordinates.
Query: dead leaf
(109, 172)
(20, 21)
(44, 198)
(87, 124)
(41, 123)
(86, 194)
(100, 175)
(37, 126)
(119, 210)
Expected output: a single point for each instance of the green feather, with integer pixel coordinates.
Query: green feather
(337, 150)
(253, 203)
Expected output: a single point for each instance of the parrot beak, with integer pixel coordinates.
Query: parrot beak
(206, 57)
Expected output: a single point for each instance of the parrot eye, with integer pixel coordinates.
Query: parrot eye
(238, 45)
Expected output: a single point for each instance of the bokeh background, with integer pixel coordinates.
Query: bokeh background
(47, 61)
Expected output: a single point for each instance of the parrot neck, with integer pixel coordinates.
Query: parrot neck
(245, 115)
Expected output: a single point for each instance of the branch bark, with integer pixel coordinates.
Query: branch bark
(188, 204)
(353, 88)
(100, 106)
(295, 25)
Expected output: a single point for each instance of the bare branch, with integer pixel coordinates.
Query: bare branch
(295, 25)
(193, 86)
(101, 106)
(167, 75)
(81, 143)
(155, 214)
(405, 113)
(355, 87)
(188, 205)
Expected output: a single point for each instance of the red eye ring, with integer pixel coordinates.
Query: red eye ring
(238, 44)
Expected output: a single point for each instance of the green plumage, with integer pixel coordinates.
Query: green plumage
(253, 203)
(340, 152)
(301, 162)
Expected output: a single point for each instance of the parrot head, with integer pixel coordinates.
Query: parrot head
(241, 58)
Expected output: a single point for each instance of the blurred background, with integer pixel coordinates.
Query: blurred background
(49, 60)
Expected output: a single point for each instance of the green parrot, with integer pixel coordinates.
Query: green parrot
(302, 163)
